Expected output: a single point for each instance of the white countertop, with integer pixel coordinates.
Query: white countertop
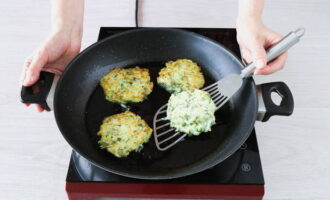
(295, 150)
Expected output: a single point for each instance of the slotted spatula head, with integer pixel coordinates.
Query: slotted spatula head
(220, 92)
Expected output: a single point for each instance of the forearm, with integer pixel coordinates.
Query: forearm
(250, 9)
(67, 16)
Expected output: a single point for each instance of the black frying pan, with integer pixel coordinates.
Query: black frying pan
(80, 105)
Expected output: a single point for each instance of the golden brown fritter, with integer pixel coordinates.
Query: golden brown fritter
(181, 75)
(127, 85)
(123, 133)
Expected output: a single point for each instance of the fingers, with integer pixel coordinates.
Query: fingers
(253, 49)
(39, 108)
(34, 68)
(246, 55)
(31, 70)
(25, 67)
(258, 53)
(272, 38)
(274, 66)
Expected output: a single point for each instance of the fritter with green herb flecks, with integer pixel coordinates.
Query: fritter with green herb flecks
(191, 112)
(127, 85)
(123, 133)
(181, 75)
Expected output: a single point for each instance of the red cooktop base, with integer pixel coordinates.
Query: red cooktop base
(92, 191)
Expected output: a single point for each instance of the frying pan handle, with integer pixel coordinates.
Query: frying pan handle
(267, 107)
(47, 83)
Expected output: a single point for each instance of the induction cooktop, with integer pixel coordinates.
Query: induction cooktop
(238, 177)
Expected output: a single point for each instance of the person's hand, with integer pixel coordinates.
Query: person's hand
(253, 38)
(52, 56)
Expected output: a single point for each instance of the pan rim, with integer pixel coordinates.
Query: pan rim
(171, 175)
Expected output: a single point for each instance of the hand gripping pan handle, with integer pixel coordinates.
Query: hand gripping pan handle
(45, 97)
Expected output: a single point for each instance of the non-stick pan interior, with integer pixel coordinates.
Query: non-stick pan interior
(80, 105)
(191, 149)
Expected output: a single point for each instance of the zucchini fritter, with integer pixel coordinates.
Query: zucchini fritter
(122, 133)
(127, 85)
(181, 75)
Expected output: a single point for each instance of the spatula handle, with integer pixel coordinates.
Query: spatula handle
(274, 51)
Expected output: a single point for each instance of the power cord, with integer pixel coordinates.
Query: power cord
(137, 13)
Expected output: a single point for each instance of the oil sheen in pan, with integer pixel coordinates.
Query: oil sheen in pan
(191, 149)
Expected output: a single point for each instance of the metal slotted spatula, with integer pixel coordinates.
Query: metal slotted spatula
(220, 91)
